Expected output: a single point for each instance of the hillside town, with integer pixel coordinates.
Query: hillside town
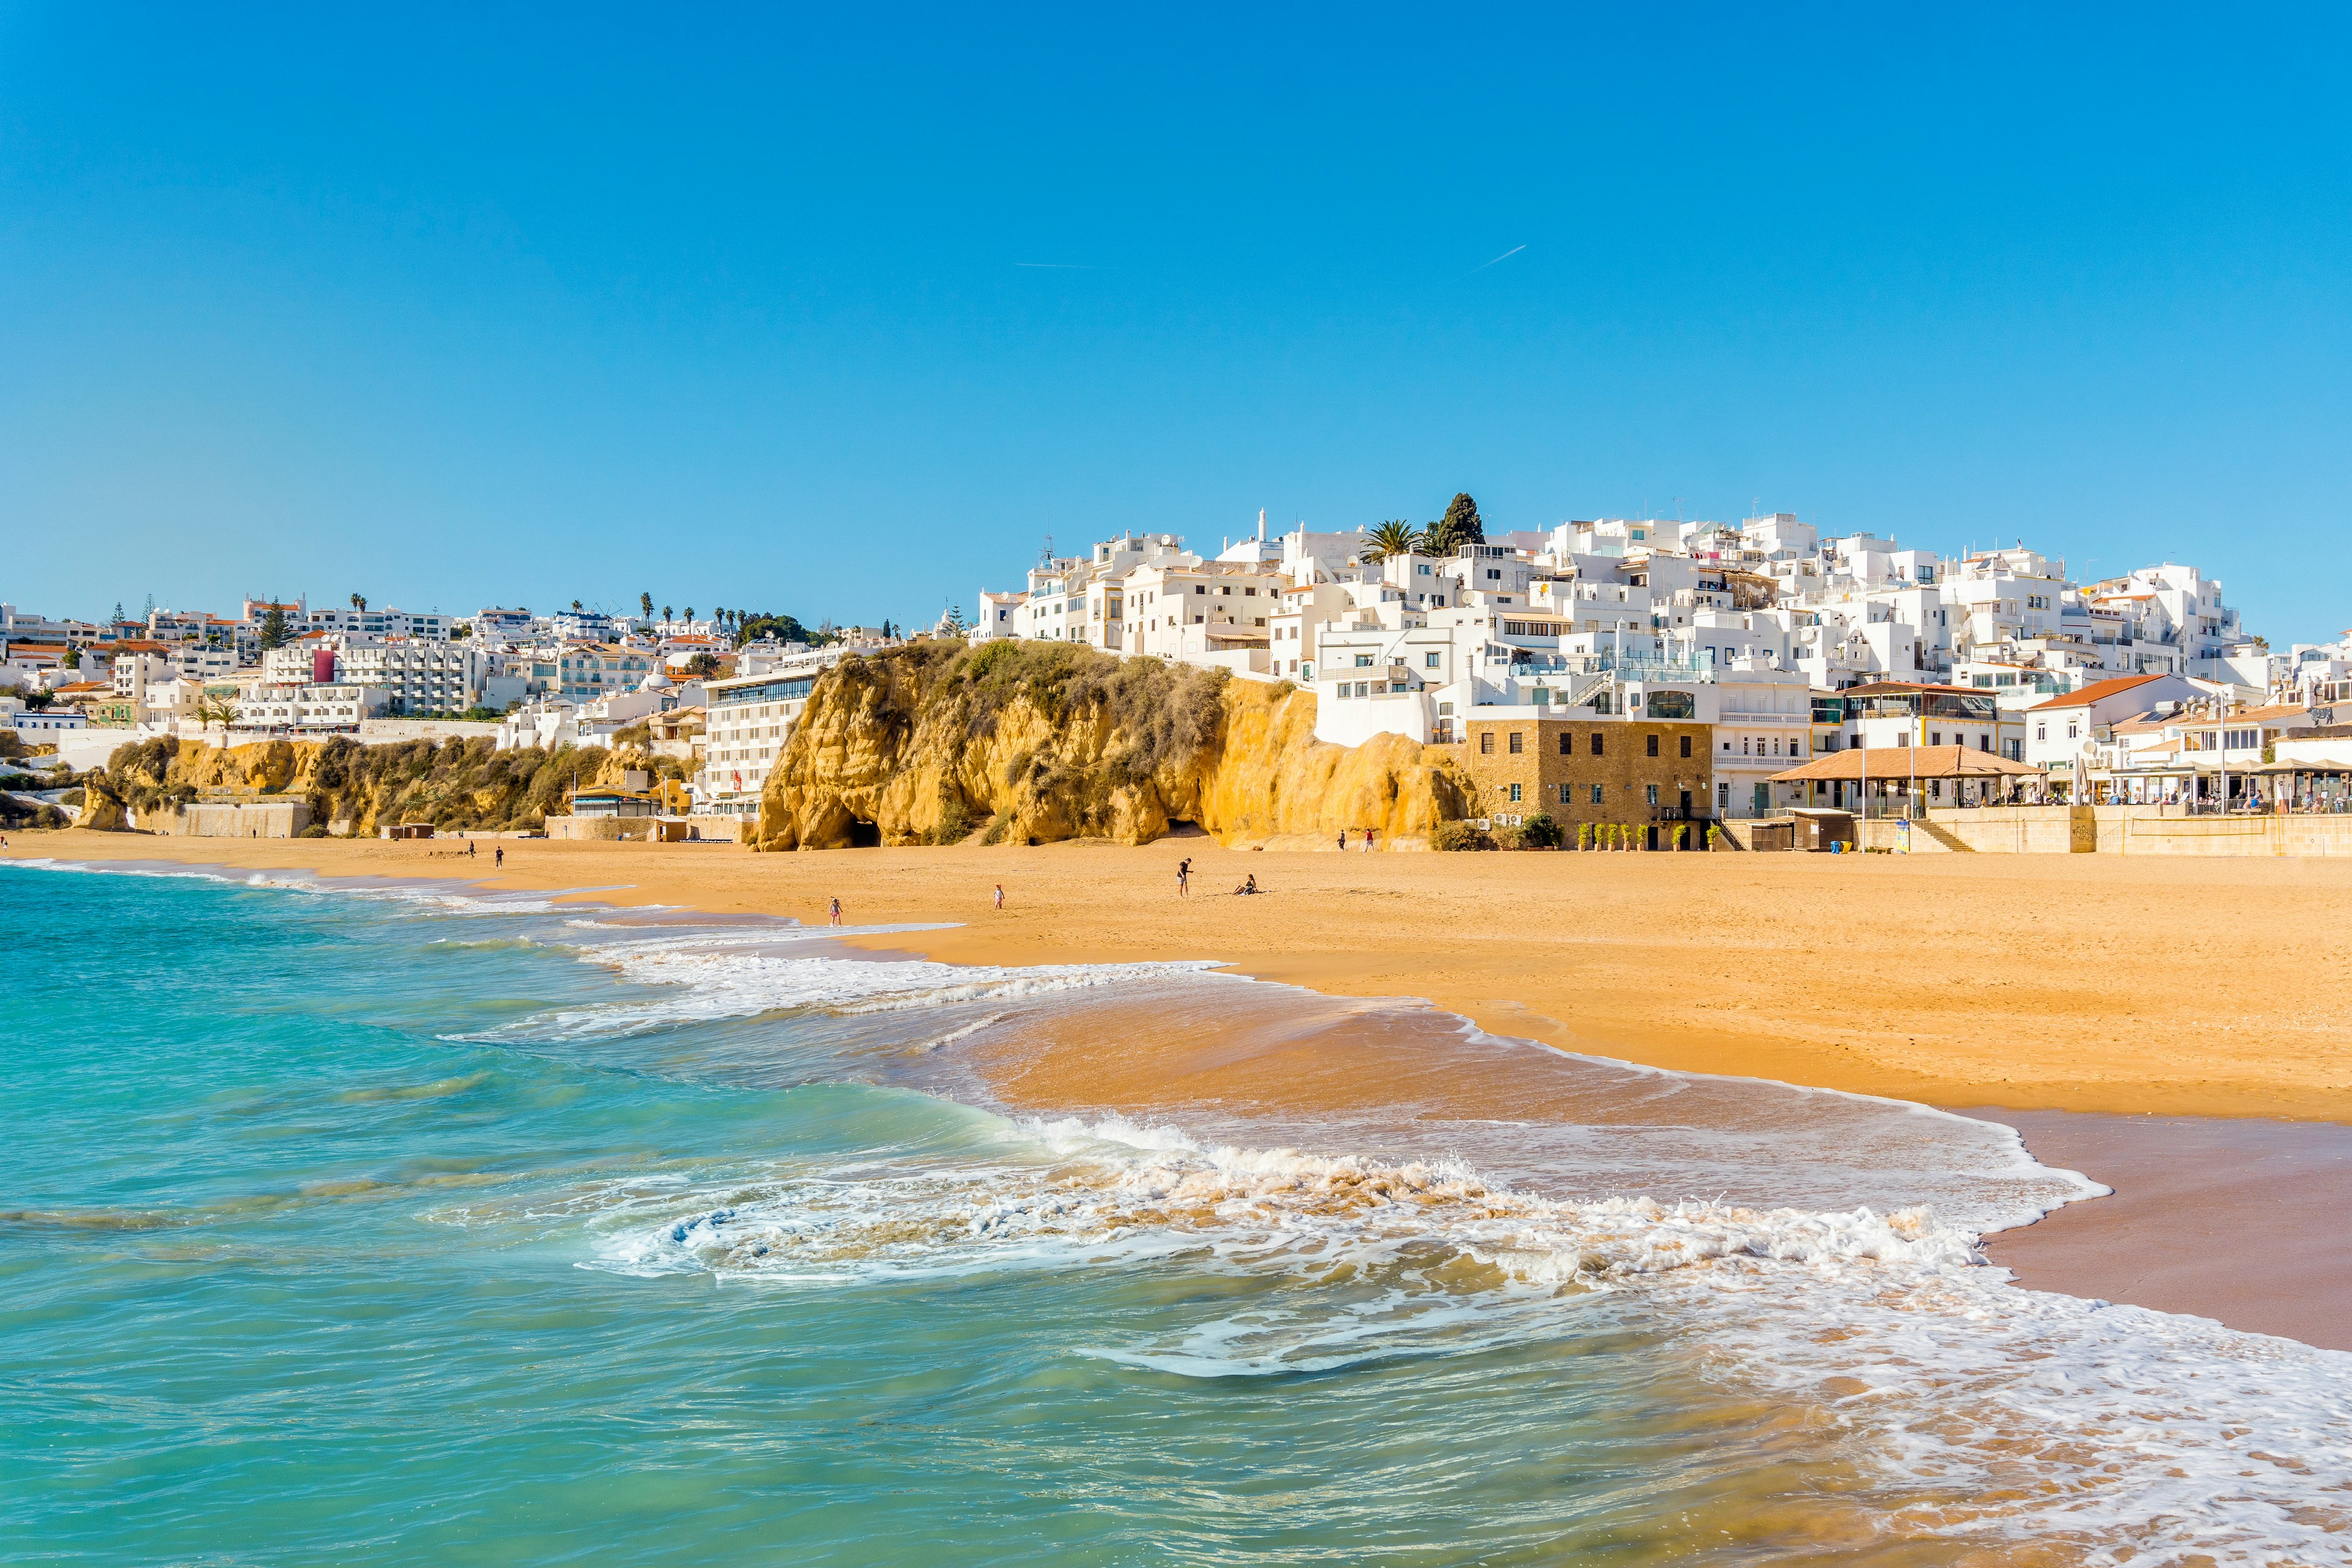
(1753, 671)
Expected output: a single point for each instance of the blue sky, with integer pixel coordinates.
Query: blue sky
(841, 314)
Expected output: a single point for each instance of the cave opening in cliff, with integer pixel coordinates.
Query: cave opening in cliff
(1178, 827)
(864, 835)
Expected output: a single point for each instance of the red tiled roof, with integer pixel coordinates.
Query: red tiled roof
(2098, 691)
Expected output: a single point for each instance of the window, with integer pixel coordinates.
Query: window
(1226, 589)
(1429, 661)
(1563, 794)
(1596, 794)
(1493, 575)
(1515, 789)
(1685, 745)
(1653, 794)
(1567, 745)
(1653, 745)
(1250, 593)
(1199, 587)
(1485, 743)
(1597, 746)
(1363, 661)
(2041, 731)
(1515, 747)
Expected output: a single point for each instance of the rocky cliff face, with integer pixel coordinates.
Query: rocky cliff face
(1027, 743)
(453, 784)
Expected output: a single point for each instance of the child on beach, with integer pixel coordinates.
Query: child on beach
(999, 895)
(837, 911)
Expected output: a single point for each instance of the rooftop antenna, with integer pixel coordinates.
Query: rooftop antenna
(1045, 552)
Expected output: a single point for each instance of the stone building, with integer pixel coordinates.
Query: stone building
(1596, 770)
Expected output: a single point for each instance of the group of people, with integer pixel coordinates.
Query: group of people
(1343, 839)
(1184, 881)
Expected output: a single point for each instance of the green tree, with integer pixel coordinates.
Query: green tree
(1394, 537)
(1539, 831)
(669, 614)
(37, 700)
(689, 611)
(273, 627)
(211, 711)
(72, 659)
(359, 601)
(575, 607)
(1461, 525)
(645, 603)
(702, 666)
(957, 625)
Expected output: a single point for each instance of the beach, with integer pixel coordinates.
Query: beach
(2204, 992)
(2068, 983)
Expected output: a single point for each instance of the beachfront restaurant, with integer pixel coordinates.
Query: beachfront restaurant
(1890, 780)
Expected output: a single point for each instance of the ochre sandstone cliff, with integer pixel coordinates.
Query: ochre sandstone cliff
(1030, 744)
(452, 783)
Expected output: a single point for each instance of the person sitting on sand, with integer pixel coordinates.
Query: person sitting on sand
(1247, 887)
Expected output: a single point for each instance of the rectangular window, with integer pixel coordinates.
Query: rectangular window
(1596, 794)
(1563, 794)
(1653, 794)
(1515, 747)
(1566, 744)
(1363, 661)
(1515, 795)
(1429, 661)
(1597, 748)
(1653, 745)
(1485, 743)
(1685, 745)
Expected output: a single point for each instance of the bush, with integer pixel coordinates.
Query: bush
(1584, 836)
(1682, 834)
(1714, 836)
(1455, 835)
(954, 824)
(1540, 832)
(997, 828)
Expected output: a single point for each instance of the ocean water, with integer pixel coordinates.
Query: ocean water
(407, 1225)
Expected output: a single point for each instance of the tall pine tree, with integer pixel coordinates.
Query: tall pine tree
(1461, 525)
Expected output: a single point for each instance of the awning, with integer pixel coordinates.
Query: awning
(1883, 763)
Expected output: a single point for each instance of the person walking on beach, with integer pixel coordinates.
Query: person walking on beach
(1343, 841)
(1368, 840)
(498, 855)
(837, 911)
(469, 849)
(999, 895)
(1184, 878)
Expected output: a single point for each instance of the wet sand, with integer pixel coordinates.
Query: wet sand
(2241, 1221)
(2165, 993)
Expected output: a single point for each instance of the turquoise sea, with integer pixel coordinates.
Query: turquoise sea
(392, 1225)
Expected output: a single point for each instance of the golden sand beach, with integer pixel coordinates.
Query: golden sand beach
(2175, 987)
(2164, 994)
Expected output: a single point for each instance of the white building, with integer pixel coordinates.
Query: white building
(747, 720)
(304, 708)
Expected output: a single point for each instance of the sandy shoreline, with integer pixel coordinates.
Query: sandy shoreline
(2167, 987)
(2016, 988)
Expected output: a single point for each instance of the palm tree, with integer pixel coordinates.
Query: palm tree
(575, 607)
(645, 603)
(690, 613)
(359, 601)
(669, 614)
(1394, 537)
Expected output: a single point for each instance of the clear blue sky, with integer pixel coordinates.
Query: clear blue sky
(755, 310)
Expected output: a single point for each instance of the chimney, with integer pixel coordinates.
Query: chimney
(1261, 525)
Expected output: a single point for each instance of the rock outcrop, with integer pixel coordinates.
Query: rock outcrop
(1033, 743)
(452, 783)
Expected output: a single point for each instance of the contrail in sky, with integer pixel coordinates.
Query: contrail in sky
(1505, 256)
(1069, 266)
